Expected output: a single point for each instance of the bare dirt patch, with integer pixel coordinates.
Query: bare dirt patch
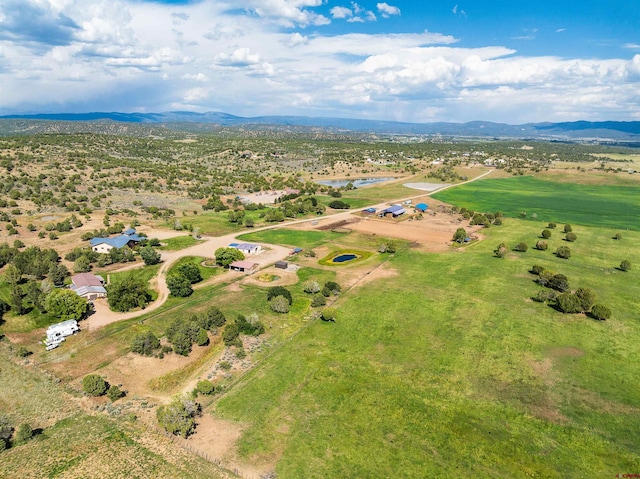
(380, 272)
(135, 372)
(565, 351)
(284, 278)
(432, 233)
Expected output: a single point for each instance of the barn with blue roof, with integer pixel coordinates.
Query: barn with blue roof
(422, 207)
(395, 210)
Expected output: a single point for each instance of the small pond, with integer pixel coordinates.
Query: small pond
(357, 182)
(343, 258)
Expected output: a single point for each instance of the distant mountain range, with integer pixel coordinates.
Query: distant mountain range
(614, 131)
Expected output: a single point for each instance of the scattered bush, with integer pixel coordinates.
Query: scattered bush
(114, 393)
(250, 326)
(178, 418)
(617, 236)
(625, 265)
(537, 269)
(318, 300)
(226, 256)
(205, 387)
(563, 252)
(145, 343)
(559, 282)
(545, 295)
(66, 304)
(339, 205)
(546, 234)
(311, 287)
(280, 304)
(275, 291)
(587, 297)
(501, 251)
(542, 245)
(460, 235)
(600, 312)
(6, 431)
(179, 285)
(23, 352)
(571, 237)
(521, 247)
(230, 334)
(23, 434)
(149, 255)
(568, 229)
(191, 271)
(332, 286)
(94, 385)
(551, 226)
(568, 303)
(203, 338)
(130, 292)
(387, 247)
(329, 314)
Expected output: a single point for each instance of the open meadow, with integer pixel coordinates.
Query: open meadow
(596, 205)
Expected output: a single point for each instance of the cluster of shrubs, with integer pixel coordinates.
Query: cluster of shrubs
(559, 294)
(250, 326)
(280, 298)
(96, 386)
(178, 417)
(182, 334)
(179, 282)
(485, 219)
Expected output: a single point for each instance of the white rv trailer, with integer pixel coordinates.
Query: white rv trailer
(57, 332)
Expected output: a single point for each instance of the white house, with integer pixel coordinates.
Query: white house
(247, 248)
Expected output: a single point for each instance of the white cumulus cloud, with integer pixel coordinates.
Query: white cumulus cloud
(385, 9)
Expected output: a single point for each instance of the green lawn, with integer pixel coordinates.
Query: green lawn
(178, 242)
(291, 237)
(449, 369)
(590, 205)
(205, 272)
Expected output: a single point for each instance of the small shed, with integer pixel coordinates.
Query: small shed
(281, 265)
(243, 266)
(422, 207)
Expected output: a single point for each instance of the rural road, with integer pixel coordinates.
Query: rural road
(103, 315)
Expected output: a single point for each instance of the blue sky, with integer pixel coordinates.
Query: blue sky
(419, 61)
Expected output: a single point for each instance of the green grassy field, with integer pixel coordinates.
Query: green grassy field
(291, 237)
(450, 369)
(205, 272)
(178, 243)
(611, 206)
